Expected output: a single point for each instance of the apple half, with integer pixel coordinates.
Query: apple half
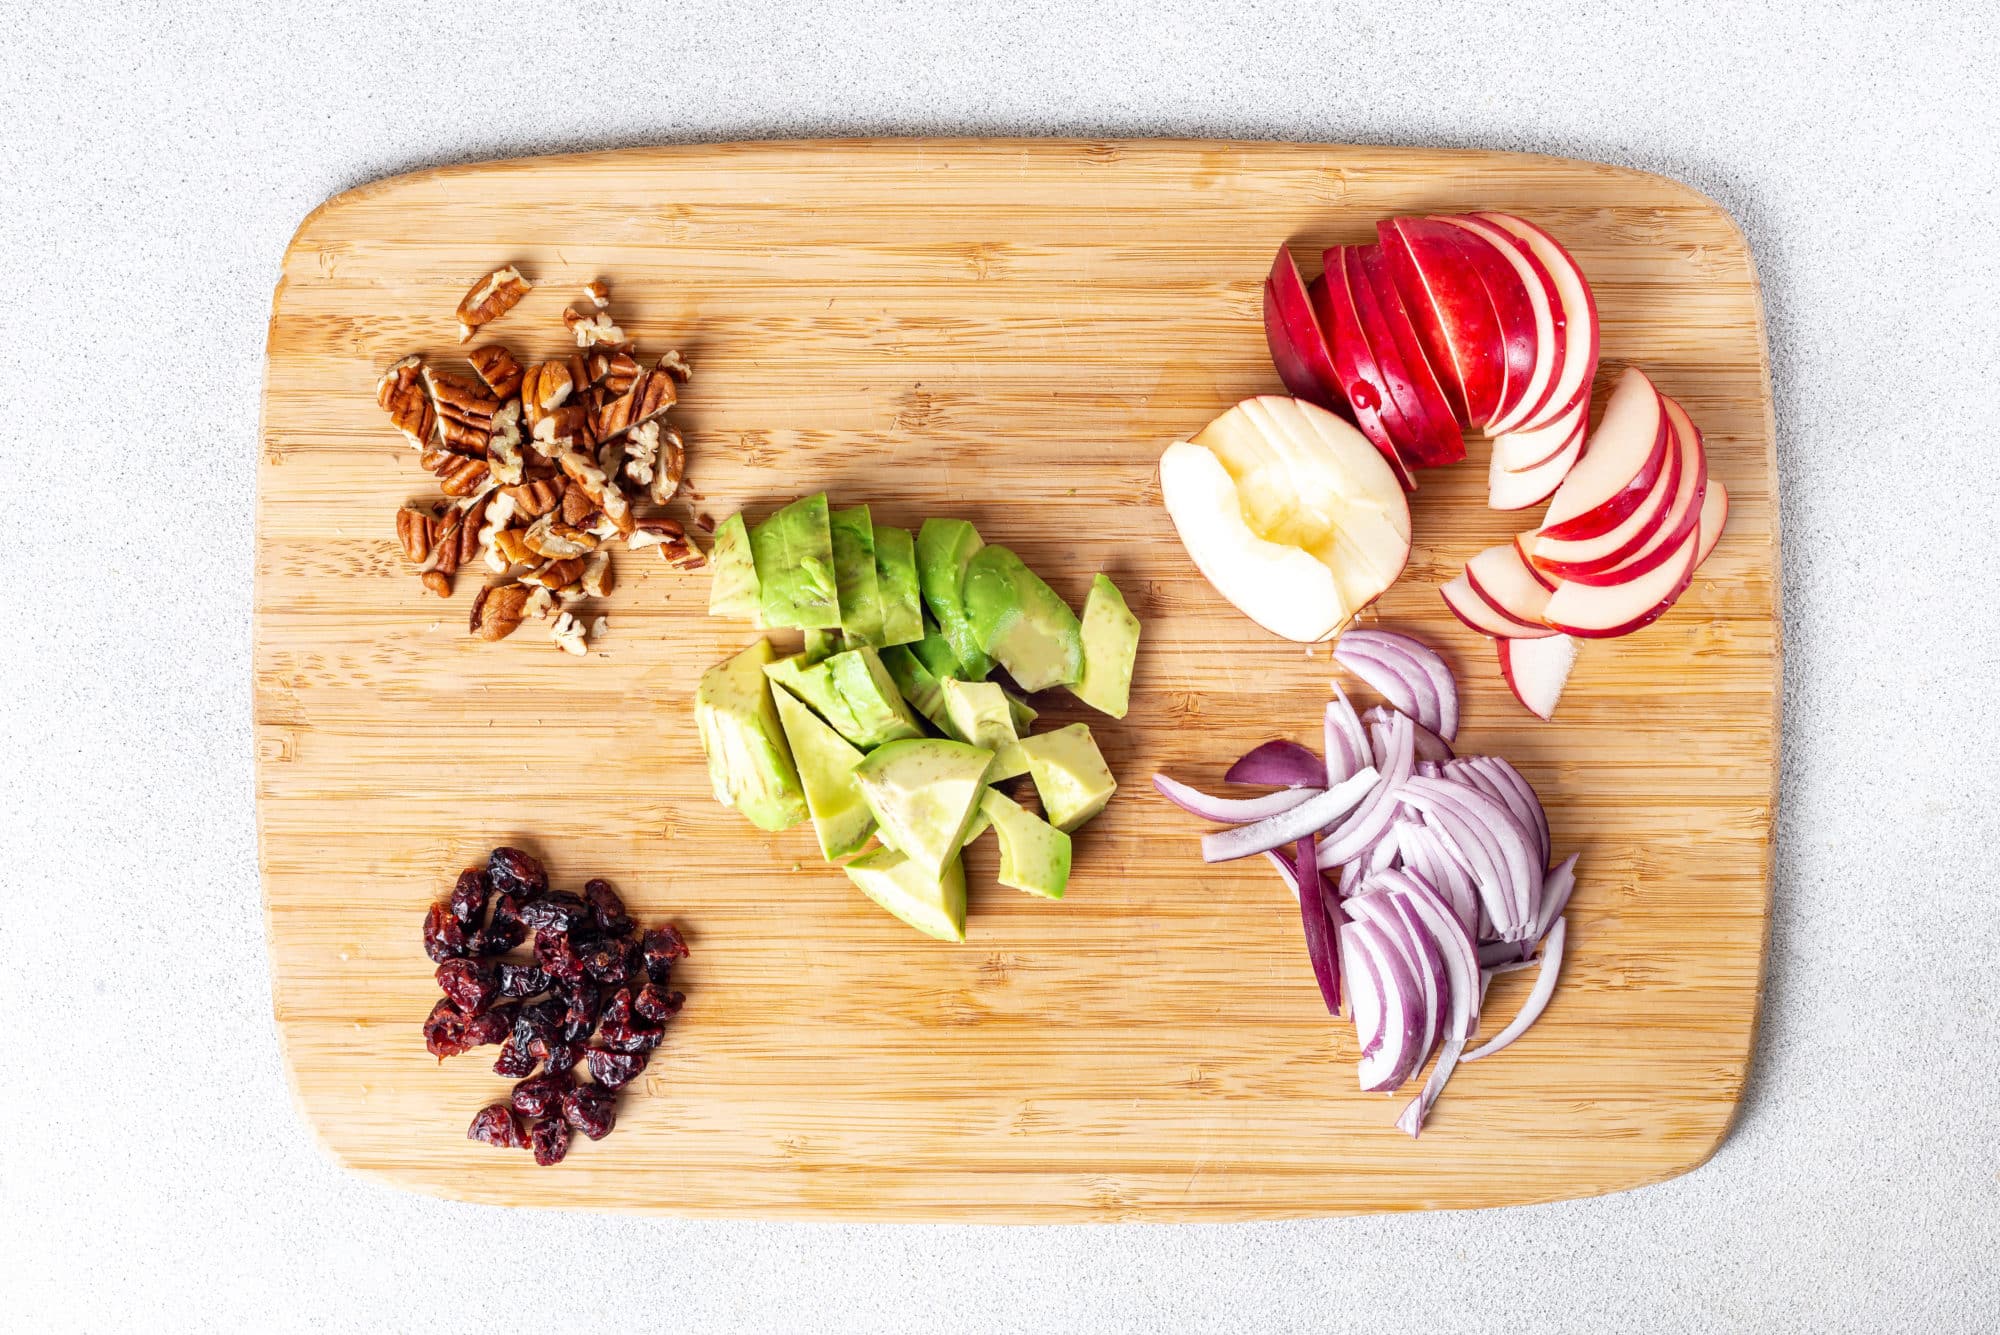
(1290, 513)
(1300, 345)
(1524, 344)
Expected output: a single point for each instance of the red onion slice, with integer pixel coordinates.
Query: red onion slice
(1514, 789)
(1515, 842)
(1394, 678)
(1318, 924)
(1281, 763)
(1316, 812)
(1481, 858)
(1556, 890)
(1538, 1000)
(1399, 1003)
(1346, 744)
(1412, 1120)
(1284, 866)
(1231, 810)
(1364, 990)
(1435, 978)
(1419, 957)
(1428, 661)
(1455, 944)
(1424, 853)
(1376, 810)
(1430, 746)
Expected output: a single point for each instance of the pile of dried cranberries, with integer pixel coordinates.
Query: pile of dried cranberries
(594, 975)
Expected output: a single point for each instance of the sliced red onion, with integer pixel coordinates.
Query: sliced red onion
(1429, 769)
(1284, 866)
(1435, 977)
(1424, 853)
(1399, 1003)
(1425, 659)
(1418, 956)
(1346, 744)
(1515, 842)
(1316, 812)
(1318, 924)
(1412, 1120)
(1376, 810)
(1455, 944)
(1430, 746)
(1556, 890)
(1510, 966)
(1508, 784)
(1281, 763)
(1232, 810)
(1494, 954)
(1538, 1000)
(1482, 858)
(1350, 878)
(1364, 991)
(1395, 678)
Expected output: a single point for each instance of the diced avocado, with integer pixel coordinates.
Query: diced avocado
(854, 576)
(915, 682)
(1024, 716)
(934, 904)
(896, 581)
(1034, 855)
(840, 815)
(977, 712)
(749, 763)
(872, 700)
(1110, 644)
(822, 645)
(1070, 774)
(935, 651)
(944, 547)
(1021, 621)
(732, 585)
(923, 792)
(813, 683)
(793, 551)
(981, 823)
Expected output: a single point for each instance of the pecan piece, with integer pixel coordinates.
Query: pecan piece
(578, 509)
(656, 458)
(490, 298)
(611, 371)
(598, 292)
(550, 537)
(676, 366)
(472, 528)
(597, 578)
(444, 549)
(557, 575)
(564, 428)
(676, 548)
(535, 499)
(503, 447)
(457, 475)
(464, 411)
(437, 582)
(545, 387)
(511, 547)
(401, 393)
(497, 611)
(567, 632)
(592, 327)
(651, 395)
(497, 369)
(416, 529)
(587, 475)
(541, 603)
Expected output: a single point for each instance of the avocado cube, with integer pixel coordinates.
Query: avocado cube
(1069, 774)
(793, 553)
(840, 815)
(896, 582)
(944, 548)
(1034, 855)
(732, 585)
(933, 903)
(1024, 715)
(869, 692)
(749, 763)
(915, 682)
(814, 684)
(821, 645)
(1021, 621)
(1110, 645)
(923, 792)
(936, 653)
(977, 712)
(854, 576)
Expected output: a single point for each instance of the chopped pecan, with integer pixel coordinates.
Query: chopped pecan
(541, 603)
(676, 549)
(498, 610)
(579, 510)
(556, 575)
(651, 394)
(567, 427)
(401, 393)
(457, 475)
(497, 369)
(511, 546)
(416, 529)
(550, 537)
(598, 292)
(503, 447)
(598, 627)
(535, 499)
(656, 458)
(444, 550)
(676, 366)
(588, 476)
(614, 371)
(597, 577)
(567, 632)
(464, 410)
(494, 519)
(437, 582)
(592, 327)
(490, 298)
(471, 530)
(546, 387)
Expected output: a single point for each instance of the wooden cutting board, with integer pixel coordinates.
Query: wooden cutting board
(1010, 332)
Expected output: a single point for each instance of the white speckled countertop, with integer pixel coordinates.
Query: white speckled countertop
(152, 167)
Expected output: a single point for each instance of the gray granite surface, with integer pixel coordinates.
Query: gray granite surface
(155, 158)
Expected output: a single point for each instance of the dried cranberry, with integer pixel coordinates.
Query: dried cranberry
(540, 1024)
(556, 956)
(588, 1108)
(505, 930)
(614, 1070)
(558, 911)
(661, 947)
(471, 984)
(608, 961)
(539, 1095)
(468, 897)
(444, 938)
(444, 1031)
(550, 1138)
(584, 1002)
(495, 1026)
(514, 1061)
(516, 873)
(495, 1125)
(522, 980)
(607, 908)
(561, 1055)
(657, 1004)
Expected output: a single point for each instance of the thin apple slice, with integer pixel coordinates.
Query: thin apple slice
(1357, 376)
(1619, 465)
(1476, 612)
(1545, 309)
(1508, 584)
(1521, 339)
(1300, 345)
(1385, 320)
(1580, 323)
(1639, 544)
(1601, 612)
(1714, 514)
(1537, 670)
(1452, 313)
(1521, 451)
(1518, 491)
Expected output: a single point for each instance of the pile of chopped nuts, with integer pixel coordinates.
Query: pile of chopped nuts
(544, 470)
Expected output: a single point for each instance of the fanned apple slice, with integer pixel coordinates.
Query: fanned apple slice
(1537, 670)
(1650, 535)
(1453, 315)
(1619, 465)
(1550, 324)
(1580, 323)
(1300, 346)
(1521, 339)
(1476, 612)
(1508, 584)
(1358, 377)
(1518, 491)
(1385, 320)
(1601, 612)
(1714, 514)
(1520, 451)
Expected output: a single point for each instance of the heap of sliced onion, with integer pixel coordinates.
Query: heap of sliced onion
(1428, 872)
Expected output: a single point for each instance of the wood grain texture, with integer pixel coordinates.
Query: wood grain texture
(1010, 332)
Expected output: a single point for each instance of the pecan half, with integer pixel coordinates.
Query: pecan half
(416, 529)
(497, 370)
(490, 298)
(401, 394)
(532, 500)
(464, 410)
(651, 395)
(444, 551)
(437, 582)
(545, 387)
(498, 610)
(550, 537)
(458, 476)
(557, 575)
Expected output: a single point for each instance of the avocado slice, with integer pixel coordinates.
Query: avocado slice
(1034, 855)
(915, 682)
(854, 576)
(1070, 774)
(821, 645)
(896, 581)
(936, 653)
(1024, 715)
(732, 585)
(814, 684)
(923, 792)
(793, 553)
(1110, 644)
(872, 700)
(977, 712)
(933, 904)
(749, 763)
(840, 816)
(944, 548)
(1021, 621)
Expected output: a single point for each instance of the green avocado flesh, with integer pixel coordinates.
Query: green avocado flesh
(873, 702)
(826, 765)
(915, 682)
(936, 653)
(1021, 621)
(821, 645)
(732, 587)
(1069, 774)
(933, 903)
(1034, 855)
(793, 552)
(944, 548)
(854, 576)
(1110, 644)
(813, 683)
(749, 763)
(896, 581)
(923, 792)
(978, 712)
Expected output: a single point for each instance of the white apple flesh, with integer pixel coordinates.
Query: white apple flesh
(1601, 612)
(1508, 584)
(1537, 670)
(1580, 325)
(1650, 535)
(1518, 491)
(1466, 604)
(1619, 465)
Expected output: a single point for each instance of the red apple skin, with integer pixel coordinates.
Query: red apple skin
(1687, 553)
(1678, 517)
(1514, 684)
(1451, 310)
(1595, 523)
(1360, 380)
(1299, 345)
(1515, 315)
(1558, 350)
(1581, 335)
(1474, 611)
(1529, 629)
(1430, 438)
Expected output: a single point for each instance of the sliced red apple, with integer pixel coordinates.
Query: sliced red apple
(1358, 377)
(1300, 346)
(1509, 585)
(1518, 491)
(1453, 315)
(1385, 320)
(1545, 313)
(1522, 341)
(1714, 514)
(1619, 465)
(1600, 612)
(1646, 538)
(1537, 670)
(1482, 616)
(1519, 451)
(1580, 324)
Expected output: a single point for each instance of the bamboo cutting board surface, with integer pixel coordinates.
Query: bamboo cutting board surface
(1010, 332)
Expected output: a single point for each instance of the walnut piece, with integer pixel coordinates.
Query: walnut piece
(567, 632)
(497, 370)
(498, 610)
(490, 298)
